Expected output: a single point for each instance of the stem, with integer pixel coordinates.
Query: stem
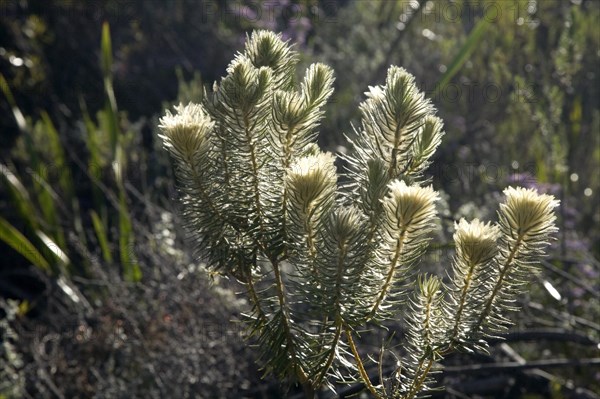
(420, 374)
(291, 347)
(331, 357)
(417, 383)
(224, 165)
(254, 174)
(390, 275)
(254, 297)
(503, 272)
(338, 320)
(284, 197)
(461, 305)
(361, 368)
(300, 374)
(205, 197)
(427, 321)
(310, 234)
(394, 160)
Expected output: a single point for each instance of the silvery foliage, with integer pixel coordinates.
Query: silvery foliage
(320, 258)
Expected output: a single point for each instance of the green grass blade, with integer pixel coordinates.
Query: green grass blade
(23, 125)
(17, 241)
(59, 159)
(77, 221)
(96, 160)
(463, 54)
(99, 149)
(106, 47)
(17, 114)
(41, 190)
(47, 199)
(56, 250)
(111, 106)
(91, 141)
(101, 235)
(19, 197)
(57, 153)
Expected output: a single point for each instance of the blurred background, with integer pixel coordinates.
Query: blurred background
(100, 294)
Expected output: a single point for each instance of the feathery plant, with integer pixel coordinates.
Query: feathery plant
(319, 258)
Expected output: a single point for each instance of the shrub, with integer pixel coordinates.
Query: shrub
(322, 258)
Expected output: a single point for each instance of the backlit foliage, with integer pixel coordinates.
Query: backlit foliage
(323, 253)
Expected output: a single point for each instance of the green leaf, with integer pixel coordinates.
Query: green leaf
(465, 51)
(56, 250)
(13, 237)
(47, 198)
(106, 46)
(111, 103)
(20, 197)
(58, 155)
(18, 115)
(42, 134)
(102, 237)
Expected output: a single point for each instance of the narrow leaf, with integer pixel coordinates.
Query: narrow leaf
(463, 54)
(111, 106)
(19, 196)
(101, 235)
(17, 241)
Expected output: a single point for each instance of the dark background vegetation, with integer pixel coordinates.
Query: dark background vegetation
(100, 295)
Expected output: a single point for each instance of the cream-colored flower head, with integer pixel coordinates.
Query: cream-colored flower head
(185, 132)
(529, 213)
(476, 241)
(410, 206)
(312, 177)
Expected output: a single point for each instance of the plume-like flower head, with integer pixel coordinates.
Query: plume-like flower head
(410, 206)
(529, 213)
(476, 241)
(312, 178)
(185, 132)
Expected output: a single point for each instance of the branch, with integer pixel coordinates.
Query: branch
(558, 335)
(504, 269)
(568, 276)
(562, 316)
(361, 368)
(511, 366)
(390, 275)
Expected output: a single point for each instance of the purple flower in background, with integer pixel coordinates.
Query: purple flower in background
(574, 244)
(522, 179)
(528, 181)
(285, 16)
(589, 272)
